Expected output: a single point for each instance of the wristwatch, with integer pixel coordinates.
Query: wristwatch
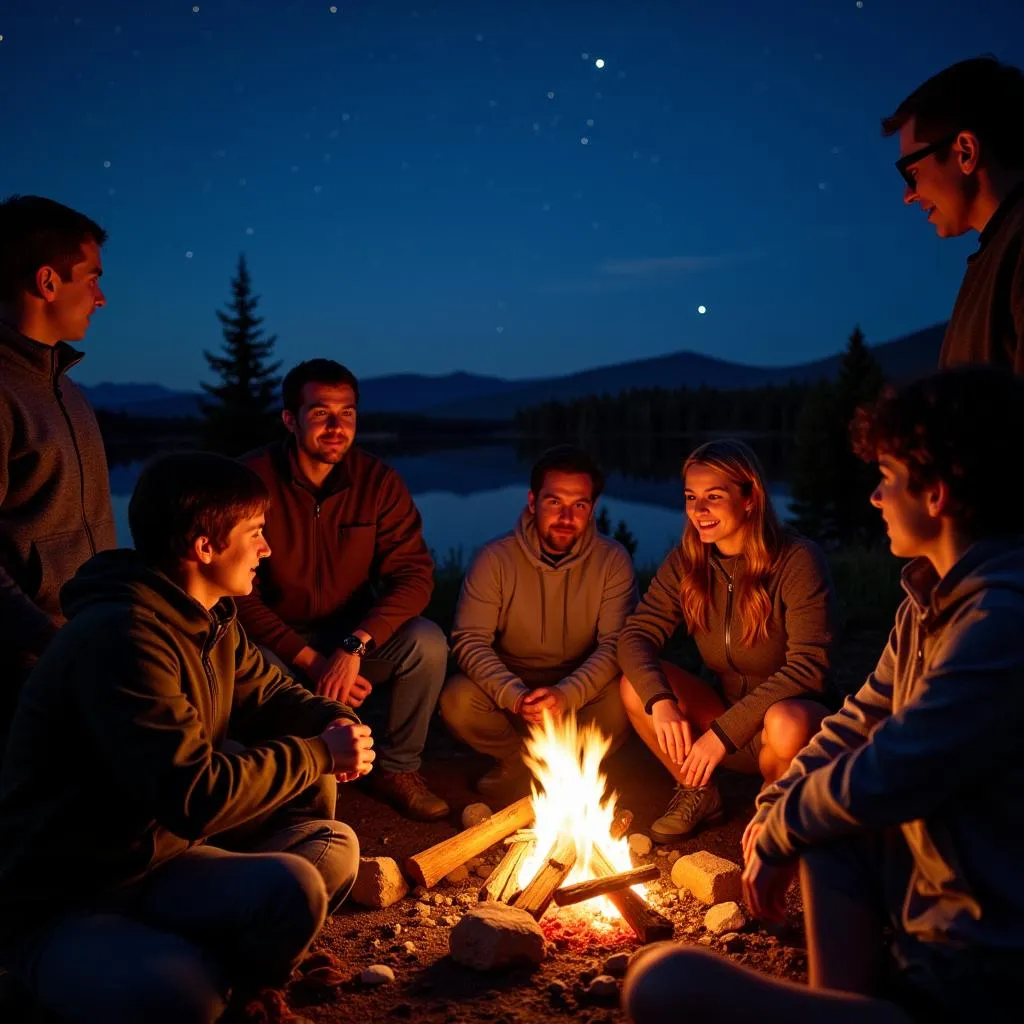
(353, 645)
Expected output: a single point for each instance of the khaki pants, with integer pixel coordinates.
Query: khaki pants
(471, 714)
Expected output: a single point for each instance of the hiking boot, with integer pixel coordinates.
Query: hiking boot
(508, 780)
(689, 806)
(408, 793)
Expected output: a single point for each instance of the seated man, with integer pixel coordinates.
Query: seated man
(339, 602)
(537, 623)
(906, 811)
(126, 771)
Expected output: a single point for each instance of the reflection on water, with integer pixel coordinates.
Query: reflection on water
(469, 495)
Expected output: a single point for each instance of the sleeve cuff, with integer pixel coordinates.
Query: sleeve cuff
(663, 695)
(730, 747)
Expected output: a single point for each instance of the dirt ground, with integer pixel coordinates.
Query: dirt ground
(429, 986)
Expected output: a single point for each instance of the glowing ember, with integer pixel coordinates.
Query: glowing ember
(571, 802)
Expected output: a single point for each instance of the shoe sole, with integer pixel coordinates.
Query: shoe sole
(663, 837)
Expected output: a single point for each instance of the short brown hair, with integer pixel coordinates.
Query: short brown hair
(567, 458)
(314, 371)
(962, 427)
(980, 95)
(37, 232)
(186, 495)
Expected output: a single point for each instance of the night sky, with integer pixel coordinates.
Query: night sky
(458, 185)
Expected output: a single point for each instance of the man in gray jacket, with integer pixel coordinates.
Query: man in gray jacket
(906, 811)
(55, 510)
(537, 623)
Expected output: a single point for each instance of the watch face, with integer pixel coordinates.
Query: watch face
(352, 645)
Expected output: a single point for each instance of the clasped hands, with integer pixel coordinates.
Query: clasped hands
(532, 706)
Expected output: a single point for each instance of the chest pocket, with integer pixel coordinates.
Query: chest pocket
(356, 543)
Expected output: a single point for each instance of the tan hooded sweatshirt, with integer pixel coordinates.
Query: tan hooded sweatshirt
(523, 622)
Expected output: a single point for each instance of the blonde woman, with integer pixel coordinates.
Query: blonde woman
(759, 603)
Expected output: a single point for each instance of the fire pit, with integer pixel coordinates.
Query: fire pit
(567, 855)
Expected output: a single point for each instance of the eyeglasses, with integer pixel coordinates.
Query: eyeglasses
(904, 162)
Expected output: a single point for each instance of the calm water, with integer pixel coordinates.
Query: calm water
(466, 496)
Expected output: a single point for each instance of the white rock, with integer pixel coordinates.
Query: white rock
(473, 814)
(724, 917)
(379, 883)
(493, 935)
(410, 947)
(377, 974)
(640, 844)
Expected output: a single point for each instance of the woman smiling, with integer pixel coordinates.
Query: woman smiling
(760, 605)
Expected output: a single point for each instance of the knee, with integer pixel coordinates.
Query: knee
(630, 701)
(457, 700)
(787, 729)
(340, 866)
(297, 892)
(427, 639)
(665, 976)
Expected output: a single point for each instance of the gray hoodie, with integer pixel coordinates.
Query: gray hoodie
(931, 744)
(522, 622)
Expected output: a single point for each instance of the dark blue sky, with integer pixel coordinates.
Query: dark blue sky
(412, 187)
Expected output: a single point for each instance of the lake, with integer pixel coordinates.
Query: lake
(468, 495)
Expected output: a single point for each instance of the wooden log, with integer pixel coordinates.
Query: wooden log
(646, 922)
(523, 835)
(620, 823)
(503, 881)
(537, 896)
(605, 885)
(428, 867)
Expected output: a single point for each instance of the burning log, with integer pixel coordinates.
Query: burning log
(428, 867)
(646, 922)
(605, 885)
(523, 835)
(537, 896)
(502, 883)
(620, 824)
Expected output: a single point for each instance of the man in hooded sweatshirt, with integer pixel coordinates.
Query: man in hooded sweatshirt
(537, 623)
(904, 816)
(167, 832)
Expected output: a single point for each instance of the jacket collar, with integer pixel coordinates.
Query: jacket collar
(286, 465)
(43, 360)
(996, 220)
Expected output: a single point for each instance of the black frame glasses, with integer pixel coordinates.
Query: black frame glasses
(904, 162)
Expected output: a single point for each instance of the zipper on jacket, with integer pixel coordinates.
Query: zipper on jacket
(316, 558)
(728, 624)
(59, 394)
(211, 680)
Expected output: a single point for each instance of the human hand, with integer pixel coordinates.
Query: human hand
(341, 670)
(361, 689)
(704, 757)
(544, 698)
(765, 886)
(749, 840)
(675, 736)
(351, 748)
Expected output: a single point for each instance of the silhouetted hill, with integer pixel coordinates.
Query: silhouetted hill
(473, 396)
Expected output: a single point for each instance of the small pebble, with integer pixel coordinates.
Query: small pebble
(377, 974)
(674, 855)
(616, 964)
(459, 874)
(640, 844)
(473, 814)
(438, 899)
(391, 931)
(428, 922)
(558, 989)
(482, 870)
(603, 987)
(410, 947)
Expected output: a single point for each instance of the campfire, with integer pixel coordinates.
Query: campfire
(565, 843)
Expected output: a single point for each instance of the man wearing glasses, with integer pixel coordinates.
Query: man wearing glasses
(962, 159)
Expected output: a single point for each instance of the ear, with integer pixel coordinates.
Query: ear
(202, 550)
(531, 503)
(968, 152)
(288, 419)
(938, 500)
(48, 283)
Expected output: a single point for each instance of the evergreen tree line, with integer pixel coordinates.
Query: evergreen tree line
(829, 486)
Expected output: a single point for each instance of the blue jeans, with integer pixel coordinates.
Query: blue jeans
(407, 672)
(170, 949)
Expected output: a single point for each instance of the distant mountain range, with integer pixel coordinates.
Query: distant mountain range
(472, 396)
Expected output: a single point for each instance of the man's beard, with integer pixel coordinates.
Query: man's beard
(559, 542)
(328, 456)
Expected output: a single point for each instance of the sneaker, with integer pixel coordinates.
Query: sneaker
(689, 806)
(408, 793)
(507, 780)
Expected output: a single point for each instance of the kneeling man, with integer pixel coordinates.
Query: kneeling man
(537, 623)
(167, 832)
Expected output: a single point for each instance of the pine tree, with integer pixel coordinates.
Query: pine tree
(830, 485)
(244, 413)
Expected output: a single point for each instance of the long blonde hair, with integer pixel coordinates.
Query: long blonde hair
(763, 541)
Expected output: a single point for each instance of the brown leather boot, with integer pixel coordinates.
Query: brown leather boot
(407, 792)
(508, 780)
